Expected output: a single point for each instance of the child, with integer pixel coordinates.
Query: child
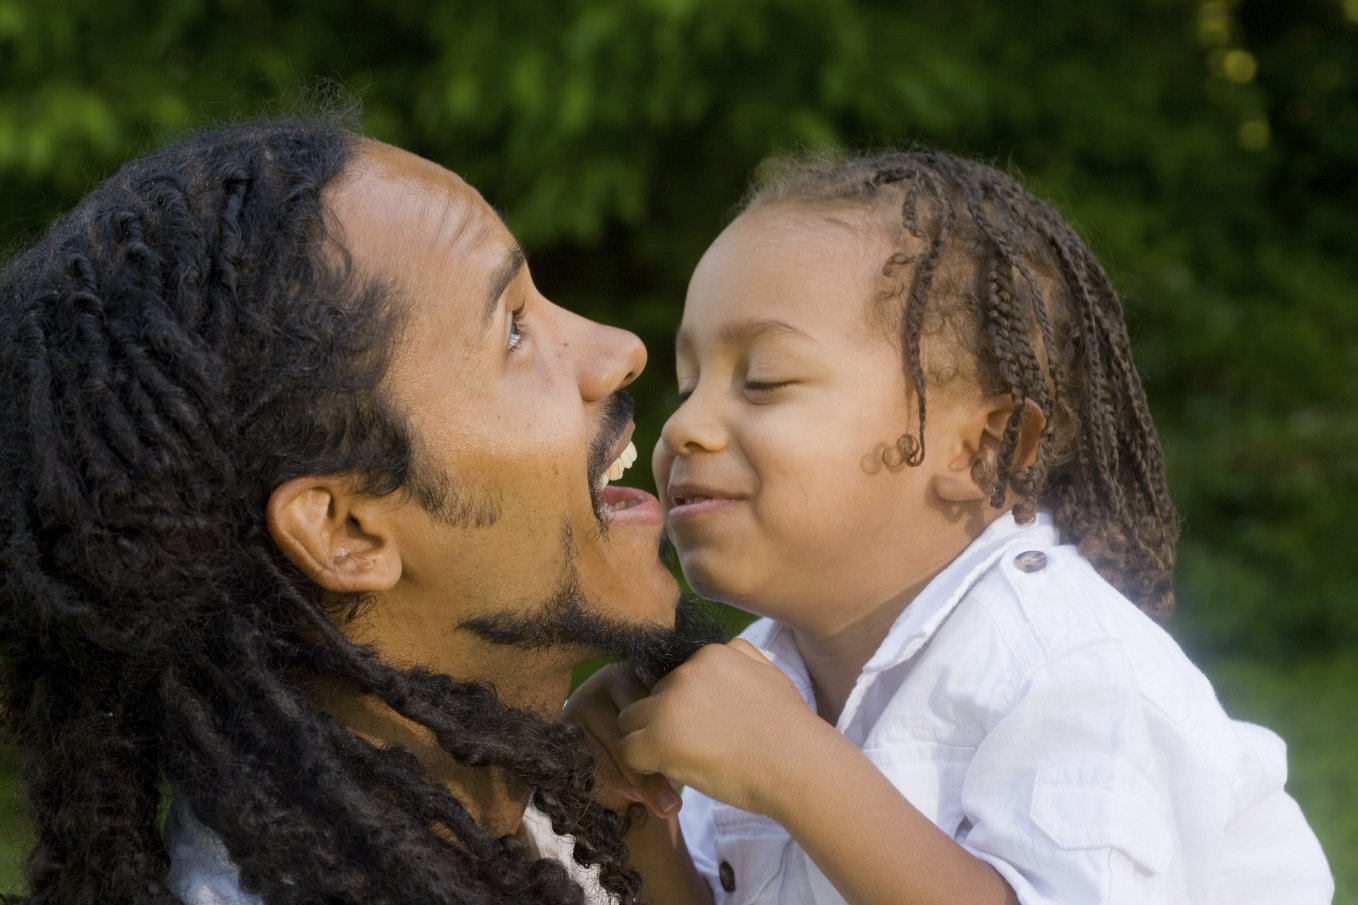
(911, 437)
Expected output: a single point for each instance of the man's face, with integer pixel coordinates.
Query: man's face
(511, 405)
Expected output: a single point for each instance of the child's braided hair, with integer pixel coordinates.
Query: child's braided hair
(1042, 322)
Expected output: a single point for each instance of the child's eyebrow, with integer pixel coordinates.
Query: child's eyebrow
(741, 331)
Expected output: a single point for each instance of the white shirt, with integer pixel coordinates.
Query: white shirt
(1057, 733)
(201, 869)
(202, 873)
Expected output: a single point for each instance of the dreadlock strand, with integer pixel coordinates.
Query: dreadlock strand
(171, 351)
(560, 773)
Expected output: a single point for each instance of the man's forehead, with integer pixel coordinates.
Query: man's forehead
(392, 206)
(389, 183)
(422, 231)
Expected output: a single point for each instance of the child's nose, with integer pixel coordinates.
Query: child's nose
(692, 428)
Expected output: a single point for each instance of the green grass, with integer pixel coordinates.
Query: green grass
(1313, 704)
(14, 834)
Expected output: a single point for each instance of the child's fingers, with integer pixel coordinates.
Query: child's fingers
(594, 708)
(637, 750)
(657, 793)
(614, 785)
(609, 692)
(649, 787)
(615, 682)
(643, 752)
(623, 689)
(635, 717)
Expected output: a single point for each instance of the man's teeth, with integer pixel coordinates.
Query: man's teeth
(620, 465)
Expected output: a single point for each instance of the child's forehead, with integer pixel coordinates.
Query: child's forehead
(759, 269)
(788, 236)
(744, 330)
(786, 274)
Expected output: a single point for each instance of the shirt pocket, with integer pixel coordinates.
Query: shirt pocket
(1107, 804)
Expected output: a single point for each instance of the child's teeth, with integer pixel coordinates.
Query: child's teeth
(620, 465)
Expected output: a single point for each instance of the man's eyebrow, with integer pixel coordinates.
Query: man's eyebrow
(509, 268)
(739, 331)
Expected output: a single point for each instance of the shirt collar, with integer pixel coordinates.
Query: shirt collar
(918, 621)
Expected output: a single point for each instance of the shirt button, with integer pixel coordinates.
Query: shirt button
(727, 874)
(1030, 561)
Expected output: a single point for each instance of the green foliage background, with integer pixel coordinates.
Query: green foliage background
(1208, 149)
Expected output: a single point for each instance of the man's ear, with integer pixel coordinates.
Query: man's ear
(982, 445)
(333, 534)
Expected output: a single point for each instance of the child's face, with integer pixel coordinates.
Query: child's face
(770, 472)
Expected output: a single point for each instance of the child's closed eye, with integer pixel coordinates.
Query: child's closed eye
(765, 387)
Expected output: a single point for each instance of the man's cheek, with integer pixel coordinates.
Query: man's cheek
(622, 576)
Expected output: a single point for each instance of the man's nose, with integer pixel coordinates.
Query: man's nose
(606, 358)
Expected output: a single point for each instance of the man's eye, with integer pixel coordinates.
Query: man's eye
(516, 331)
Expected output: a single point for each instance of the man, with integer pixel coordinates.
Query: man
(306, 521)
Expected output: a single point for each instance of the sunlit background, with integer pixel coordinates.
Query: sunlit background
(1207, 150)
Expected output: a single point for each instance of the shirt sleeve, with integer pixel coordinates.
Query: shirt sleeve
(1087, 790)
(1076, 820)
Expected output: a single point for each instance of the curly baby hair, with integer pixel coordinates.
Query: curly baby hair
(181, 343)
(1036, 318)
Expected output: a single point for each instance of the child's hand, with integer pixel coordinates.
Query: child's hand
(727, 722)
(594, 707)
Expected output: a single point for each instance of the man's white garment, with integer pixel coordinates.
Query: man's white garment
(202, 873)
(1054, 731)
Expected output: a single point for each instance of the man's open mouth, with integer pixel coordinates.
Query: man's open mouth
(614, 442)
(620, 465)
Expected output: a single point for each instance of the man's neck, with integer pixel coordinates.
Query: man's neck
(493, 799)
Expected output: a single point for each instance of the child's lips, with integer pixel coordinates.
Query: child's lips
(685, 501)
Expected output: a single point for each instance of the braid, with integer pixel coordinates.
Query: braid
(1045, 325)
(173, 350)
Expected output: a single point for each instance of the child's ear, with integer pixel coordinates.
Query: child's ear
(981, 444)
(336, 536)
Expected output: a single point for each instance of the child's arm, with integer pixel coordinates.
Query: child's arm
(733, 726)
(655, 847)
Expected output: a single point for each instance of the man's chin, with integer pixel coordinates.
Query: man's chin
(622, 574)
(571, 617)
(568, 621)
(654, 652)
